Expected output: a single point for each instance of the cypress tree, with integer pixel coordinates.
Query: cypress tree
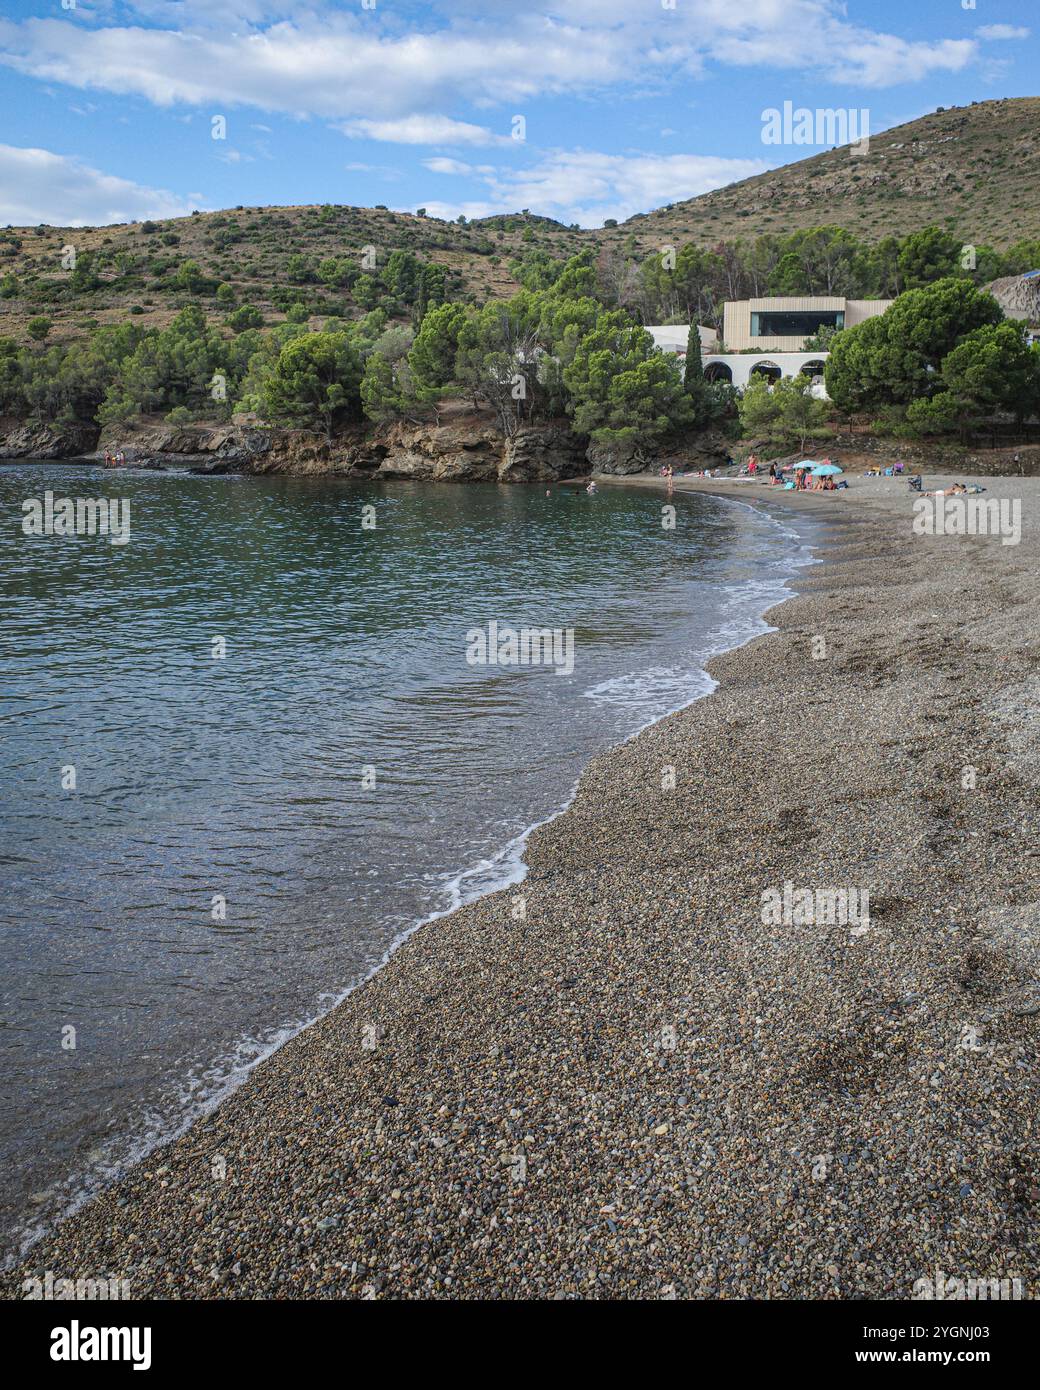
(694, 378)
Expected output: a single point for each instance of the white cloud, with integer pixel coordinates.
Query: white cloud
(1002, 31)
(367, 67)
(338, 67)
(586, 187)
(442, 165)
(423, 130)
(375, 75)
(39, 186)
(826, 48)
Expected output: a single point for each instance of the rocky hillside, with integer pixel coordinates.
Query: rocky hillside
(261, 253)
(975, 170)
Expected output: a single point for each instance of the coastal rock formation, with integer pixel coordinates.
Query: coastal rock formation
(461, 451)
(618, 459)
(689, 452)
(199, 448)
(464, 449)
(21, 440)
(471, 450)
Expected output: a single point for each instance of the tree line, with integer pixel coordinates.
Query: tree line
(543, 353)
(691, 284)
(570, 343)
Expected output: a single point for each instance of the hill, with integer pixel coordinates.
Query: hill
(972, 169)
(267, 255)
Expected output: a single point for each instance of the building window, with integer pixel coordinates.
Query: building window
(778, 323)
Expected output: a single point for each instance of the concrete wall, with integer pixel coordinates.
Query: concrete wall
(742, 364)
(856, 310)
(671, 337)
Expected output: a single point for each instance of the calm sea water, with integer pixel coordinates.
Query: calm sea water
(242, 777)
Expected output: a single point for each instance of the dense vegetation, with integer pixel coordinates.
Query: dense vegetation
(938, 359)
(397, 339)
(692, 285)
(543, 353)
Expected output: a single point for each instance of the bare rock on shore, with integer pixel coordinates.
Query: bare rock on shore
(459, 448)
(20, 440)
(618, 459)
(198, 448)
(688, 452)
(475, 451)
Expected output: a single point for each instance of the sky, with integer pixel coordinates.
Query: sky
(581, 110)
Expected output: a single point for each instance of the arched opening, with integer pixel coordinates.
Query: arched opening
(813, 370)
(769, 370)
(718, 371)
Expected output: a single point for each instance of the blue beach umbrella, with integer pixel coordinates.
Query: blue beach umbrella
(824, 470)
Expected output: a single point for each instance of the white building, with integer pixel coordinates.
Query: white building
(739, 367)
(782, 324)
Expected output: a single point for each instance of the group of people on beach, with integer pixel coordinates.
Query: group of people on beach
(804, 479)
(117, 460)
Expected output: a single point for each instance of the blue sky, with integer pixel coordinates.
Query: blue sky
(109, 106)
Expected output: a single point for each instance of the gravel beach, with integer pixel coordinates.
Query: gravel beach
(625, 1078)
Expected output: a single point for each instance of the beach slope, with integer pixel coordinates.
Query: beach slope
(635, 1075)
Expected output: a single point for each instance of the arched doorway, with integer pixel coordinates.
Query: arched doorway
(769, 370)
(813, 370)
(718, 371)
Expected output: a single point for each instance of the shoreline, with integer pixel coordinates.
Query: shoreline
(523, 1123)
(134, 1147)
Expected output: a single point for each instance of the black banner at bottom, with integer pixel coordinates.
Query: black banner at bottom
(149, 1339)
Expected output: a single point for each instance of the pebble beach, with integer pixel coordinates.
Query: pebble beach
(623, 1078)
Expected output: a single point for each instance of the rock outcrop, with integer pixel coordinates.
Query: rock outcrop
(198, 448)
(19, 440)
(462, 449)
(460, 446)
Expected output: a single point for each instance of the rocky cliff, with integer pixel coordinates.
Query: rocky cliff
(460, 446)
(461, 449)
(19, 440)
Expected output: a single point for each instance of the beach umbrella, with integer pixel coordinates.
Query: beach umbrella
(824, 470)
